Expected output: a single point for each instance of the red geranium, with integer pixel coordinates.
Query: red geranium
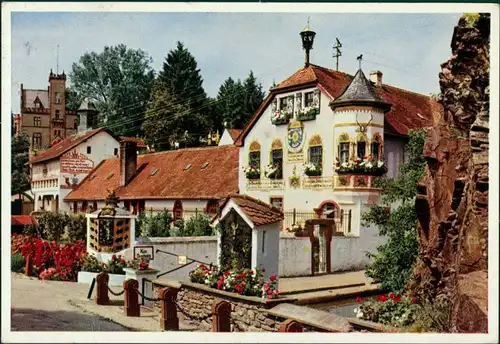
(272, 278)
(382, 298)
(413, 300)
(358, 299)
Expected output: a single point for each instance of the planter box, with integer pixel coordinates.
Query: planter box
(307, 116)
(114, 280)
(366, 173)
(281, 121)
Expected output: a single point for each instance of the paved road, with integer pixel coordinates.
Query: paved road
(44, 306)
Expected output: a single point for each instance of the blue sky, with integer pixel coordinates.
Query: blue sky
(407, 48)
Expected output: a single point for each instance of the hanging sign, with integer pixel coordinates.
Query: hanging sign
(181, 260)
(75, 162)
(295, 142)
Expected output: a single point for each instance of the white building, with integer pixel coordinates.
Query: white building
(328, 119)
(56, 171)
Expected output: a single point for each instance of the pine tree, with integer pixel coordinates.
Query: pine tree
(20, 155)
(254, 95)
(184, 107)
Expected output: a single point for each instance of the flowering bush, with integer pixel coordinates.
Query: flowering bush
(65, 258)
(251, 172)
(367, 165)
(390, 309)
(91, 264)
(249, 282)
(273, 171)
(116, 265)
(280, 117)
(139, 264)
(311, 169)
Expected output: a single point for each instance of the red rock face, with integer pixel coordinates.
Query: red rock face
(452, 198)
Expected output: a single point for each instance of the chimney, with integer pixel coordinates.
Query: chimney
(376, 77)
(128, 161)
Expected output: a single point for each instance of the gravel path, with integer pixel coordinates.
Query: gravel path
(44, 306)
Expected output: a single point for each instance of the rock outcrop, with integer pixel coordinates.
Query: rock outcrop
(452, 197)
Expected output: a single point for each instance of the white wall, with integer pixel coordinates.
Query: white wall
(295, 257)
(226, 138)
(267, 258)
(394, 151)
(201, 248)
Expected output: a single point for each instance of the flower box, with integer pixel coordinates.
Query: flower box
(358, 166)
(114, 279)
(372, 172)
(308, 114)
(312, 170)
(280, 117)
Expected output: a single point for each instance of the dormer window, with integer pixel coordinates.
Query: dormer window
(283, 103)
(309, 99)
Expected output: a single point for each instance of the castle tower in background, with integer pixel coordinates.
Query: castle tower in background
(44, 115)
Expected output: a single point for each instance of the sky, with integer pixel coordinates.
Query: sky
(407, 48)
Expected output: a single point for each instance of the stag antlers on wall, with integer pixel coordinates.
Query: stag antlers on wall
(362, 128)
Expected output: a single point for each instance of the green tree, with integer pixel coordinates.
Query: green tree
(118, 80)
(393, 262)
(20, 181)
(237, 101)
(178, 106)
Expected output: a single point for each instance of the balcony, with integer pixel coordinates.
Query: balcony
(355, 181)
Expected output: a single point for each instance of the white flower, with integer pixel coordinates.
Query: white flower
(359, 315)
(380, 163)
(369, 164)
(355, 310)
(344, 164)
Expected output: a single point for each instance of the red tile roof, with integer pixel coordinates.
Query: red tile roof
(409, 110)
(234, 133)
(259, 212)
(65, 145)
(166, 175)
(21, 220)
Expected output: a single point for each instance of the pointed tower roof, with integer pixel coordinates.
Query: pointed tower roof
(360, 92)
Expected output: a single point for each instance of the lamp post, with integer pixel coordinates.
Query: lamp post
(307, 36)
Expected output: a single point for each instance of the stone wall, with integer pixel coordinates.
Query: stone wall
(452, 198)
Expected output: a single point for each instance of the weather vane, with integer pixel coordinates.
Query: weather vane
(359, 58)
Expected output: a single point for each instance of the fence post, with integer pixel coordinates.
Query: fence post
(101, 295)
(294, 216)
(341, 216)
(349, 221)
(291, 325)
(131, 298)
(168, 319)
(196, 212)
(28, 268)
(221, 316)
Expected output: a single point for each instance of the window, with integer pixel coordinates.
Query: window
(361, 147)
(57, 114)
(277, 160)
(89, 149)
(37, 140)
(277, 202)
(37, 105)
(177, 211)
(84, 206)
(115, 152)
(344, 152)
(75, 124)
(283, 102)
(37, 121)
(94, 205)
(212, 206)
(263, 241)
(309, 99)
(316, 155)
(75, 207)
(254, 159)
(375, 147)
(58, 98)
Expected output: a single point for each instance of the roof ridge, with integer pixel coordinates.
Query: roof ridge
(190, 149)
(407, 91)
(256, 200)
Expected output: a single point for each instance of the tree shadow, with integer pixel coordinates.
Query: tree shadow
(26, 319)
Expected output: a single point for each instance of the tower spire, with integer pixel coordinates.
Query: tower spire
(307, 36)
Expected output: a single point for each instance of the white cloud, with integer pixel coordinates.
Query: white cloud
(408, 48)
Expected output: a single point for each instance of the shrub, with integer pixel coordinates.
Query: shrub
(116, 265)
(76, 227)
(55, 226)
(154, 225)
(17, 262)
(249, 282)
(198, 225)
(393, 262)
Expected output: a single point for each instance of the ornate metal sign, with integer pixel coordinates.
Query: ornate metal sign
(295, 142)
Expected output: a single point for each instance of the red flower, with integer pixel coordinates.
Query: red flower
(358, 299)
(382, 298)
(272, 278)
(113, 257)
(391, 295)
(263, 270)
(413, 300)
(220, 283)
(397, 299)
